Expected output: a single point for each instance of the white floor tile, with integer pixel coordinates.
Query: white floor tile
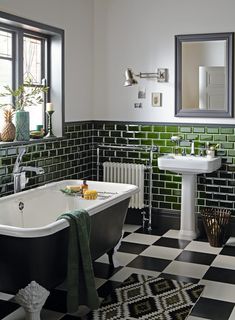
(5, 296)
(171, 234)
(161, 252)
(119, 258)
(200, 246)
(175, 234)
(226, 262)
(125, 272)
(218, 291)
(141, 238)
(130, 227)
(186, 269)
(232, 315)
(231, 242)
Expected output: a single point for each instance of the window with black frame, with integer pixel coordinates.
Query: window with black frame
(26, 48)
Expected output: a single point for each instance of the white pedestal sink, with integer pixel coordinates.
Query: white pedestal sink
(189, 167)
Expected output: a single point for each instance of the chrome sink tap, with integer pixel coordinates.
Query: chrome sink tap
(19, 172)
(192, 153)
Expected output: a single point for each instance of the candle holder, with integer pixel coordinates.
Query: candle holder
(50, 133)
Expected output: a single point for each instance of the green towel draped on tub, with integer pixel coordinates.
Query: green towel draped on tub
(80, 275)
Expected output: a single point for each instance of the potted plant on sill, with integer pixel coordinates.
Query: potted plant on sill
(25, 95)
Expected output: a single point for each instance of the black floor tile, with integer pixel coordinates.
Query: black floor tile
(129, 247)
(171, 243)
(178, 278)
(228, 251)
(7, 307)
(212, 309)
(196, 257)
(148, 263)
(221, 275)
(125, 234)
(155, 232)
(107, 288)
(56, 301)
(104, 270)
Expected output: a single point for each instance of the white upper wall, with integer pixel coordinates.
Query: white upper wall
(76, 18)
(140, 34)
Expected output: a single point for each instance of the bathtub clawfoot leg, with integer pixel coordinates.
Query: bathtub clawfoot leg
(110, 254)
(32, 299)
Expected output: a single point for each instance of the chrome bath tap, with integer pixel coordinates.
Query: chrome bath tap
(19, 172)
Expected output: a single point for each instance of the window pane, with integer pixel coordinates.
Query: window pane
(32, 60)
(5, 44)
(5, 79)
(36, 112)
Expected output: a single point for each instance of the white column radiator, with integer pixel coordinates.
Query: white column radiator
(127, 173)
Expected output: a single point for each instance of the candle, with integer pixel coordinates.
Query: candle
(49, 107)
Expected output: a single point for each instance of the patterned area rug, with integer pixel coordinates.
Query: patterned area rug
(148, 298)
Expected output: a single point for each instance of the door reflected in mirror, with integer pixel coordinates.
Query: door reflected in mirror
(204, 75)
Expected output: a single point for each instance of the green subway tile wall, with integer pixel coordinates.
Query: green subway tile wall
(74, 157)
(66, 158)
(214, 190)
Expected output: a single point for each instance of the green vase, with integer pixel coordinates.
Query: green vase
(22, 125)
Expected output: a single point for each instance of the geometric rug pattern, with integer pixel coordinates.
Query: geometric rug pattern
(146, 298)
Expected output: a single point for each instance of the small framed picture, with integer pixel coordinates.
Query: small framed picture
(141, 93)
(156, 99)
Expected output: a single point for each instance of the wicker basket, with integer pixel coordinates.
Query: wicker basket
(216, 222)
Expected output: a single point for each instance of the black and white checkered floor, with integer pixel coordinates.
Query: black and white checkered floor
(161, 254)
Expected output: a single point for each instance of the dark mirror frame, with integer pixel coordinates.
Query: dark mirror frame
(179, 40)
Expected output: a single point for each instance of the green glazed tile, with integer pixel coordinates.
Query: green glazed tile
(199, 130)
(121, 127)
(212, 130)
(177, 178)
(177, 192)
(159, 142)
(206, 137)
(176, 206)
(220, 137)
(165, 135)
(165, 205)
(152, 135)
(146, 142)
(231, 138)
(186, 129)
(227, 145)
(171, 129)
(227, 130)
(125, 134)
(165, 191)
(231, 153)
(159, 129)
(133, 127)
(165, 150)
(164, 177)
(171, 185)
(146, 128)
(171, 199)
(192, 136)
(140, 135)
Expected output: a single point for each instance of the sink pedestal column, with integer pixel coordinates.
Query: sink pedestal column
(188, 220)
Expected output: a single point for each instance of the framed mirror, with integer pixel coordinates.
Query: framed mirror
(204, 75)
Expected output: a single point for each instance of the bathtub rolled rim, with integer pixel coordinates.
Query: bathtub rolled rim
(61, 224)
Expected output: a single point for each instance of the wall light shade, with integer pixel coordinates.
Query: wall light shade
(129, 78)
(161, 76)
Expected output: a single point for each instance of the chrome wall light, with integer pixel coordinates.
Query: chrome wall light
(161, 76)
